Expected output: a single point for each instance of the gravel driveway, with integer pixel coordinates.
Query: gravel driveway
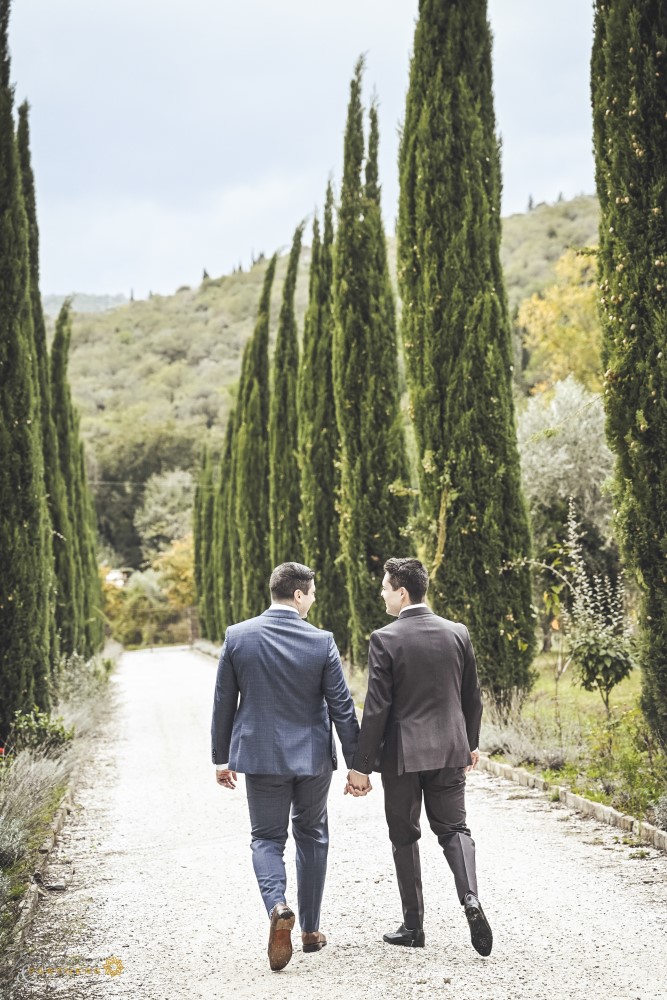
(158, 862)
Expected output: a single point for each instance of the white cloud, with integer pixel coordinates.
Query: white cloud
(143, 245)
(167, 138)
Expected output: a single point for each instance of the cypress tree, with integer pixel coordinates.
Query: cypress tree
(202, 539)
(81, 629)
(374, 500)
(284, 492)
(25, 570)
(209, 565)
(221, 536)
(248, 524)
(72, 614)
(457, 342)
(53, 481)
(197, 536)
(319, 441)
(93, 635)
(629, 96)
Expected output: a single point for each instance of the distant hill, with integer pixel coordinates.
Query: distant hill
(82, 303)
(154, 379)
(533, 242)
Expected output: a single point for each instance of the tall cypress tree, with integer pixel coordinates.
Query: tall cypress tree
(93, 634)
(25, 570)
(53, 481)
(197, 538)
(73, 613)
(457, 341)
(249, 488)
(221, 536)
(374, 499)
(319, 441)
(204, 569)
(81, 629)
(284, 491)
(629, 96)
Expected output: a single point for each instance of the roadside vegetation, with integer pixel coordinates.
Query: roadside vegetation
(38, 762)
(563, 732)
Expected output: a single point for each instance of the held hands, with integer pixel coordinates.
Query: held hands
(474, 755)
(358, 784)
(226, 778)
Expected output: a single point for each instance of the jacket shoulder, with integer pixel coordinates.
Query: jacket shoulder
(313, 628)
(446, 624)
(248, 625)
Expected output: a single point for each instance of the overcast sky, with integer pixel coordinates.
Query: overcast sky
(168, 137)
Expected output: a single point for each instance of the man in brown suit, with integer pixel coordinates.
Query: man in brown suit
(420, 729)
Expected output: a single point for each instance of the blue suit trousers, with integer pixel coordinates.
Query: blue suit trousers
(270, 799)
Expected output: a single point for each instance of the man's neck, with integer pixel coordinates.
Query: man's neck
(283, 606)
(406, 607)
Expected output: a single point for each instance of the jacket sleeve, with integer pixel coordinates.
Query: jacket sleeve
(471, 697)
(379, 697)
(339, 702)
(225, 702)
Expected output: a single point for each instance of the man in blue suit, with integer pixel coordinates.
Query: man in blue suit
(279, 685)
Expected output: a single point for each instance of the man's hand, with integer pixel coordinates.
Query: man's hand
(226, 778)
(358, 784)
(474, 754)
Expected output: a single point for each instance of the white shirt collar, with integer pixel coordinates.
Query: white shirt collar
(408, 606)
(282, 607)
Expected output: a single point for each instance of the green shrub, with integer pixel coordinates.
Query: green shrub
(38, 731)
(627, 763)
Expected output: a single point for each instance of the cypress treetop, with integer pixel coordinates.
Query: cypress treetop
(284, 490)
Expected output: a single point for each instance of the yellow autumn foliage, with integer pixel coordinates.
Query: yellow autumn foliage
(561, 328)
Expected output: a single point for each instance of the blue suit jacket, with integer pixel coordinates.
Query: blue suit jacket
(280, 683)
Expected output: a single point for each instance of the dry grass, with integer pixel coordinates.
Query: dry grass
(33, 781)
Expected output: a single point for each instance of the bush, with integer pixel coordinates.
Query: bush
(38, 731)
(627, 764)
(530, 741)
(27, 786)
(599, 633)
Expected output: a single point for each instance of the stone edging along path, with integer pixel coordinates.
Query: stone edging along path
(603, 814)
(596, 810)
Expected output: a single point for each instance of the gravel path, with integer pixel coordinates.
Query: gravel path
(161, 878)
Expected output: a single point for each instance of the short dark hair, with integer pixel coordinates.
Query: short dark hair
(408, 573)
(287, 578)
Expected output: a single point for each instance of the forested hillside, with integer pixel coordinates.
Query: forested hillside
(154, 378)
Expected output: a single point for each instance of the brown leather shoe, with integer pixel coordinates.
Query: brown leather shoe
(313, 940)
(280, 936)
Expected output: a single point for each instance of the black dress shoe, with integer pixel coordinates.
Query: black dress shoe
(406, 937)
(481, 935)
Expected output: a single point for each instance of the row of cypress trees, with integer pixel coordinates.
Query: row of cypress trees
(314, 467)
(49, 586)
(356, 505)
(349, 476)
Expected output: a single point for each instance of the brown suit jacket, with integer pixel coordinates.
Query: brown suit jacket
(423, 706)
